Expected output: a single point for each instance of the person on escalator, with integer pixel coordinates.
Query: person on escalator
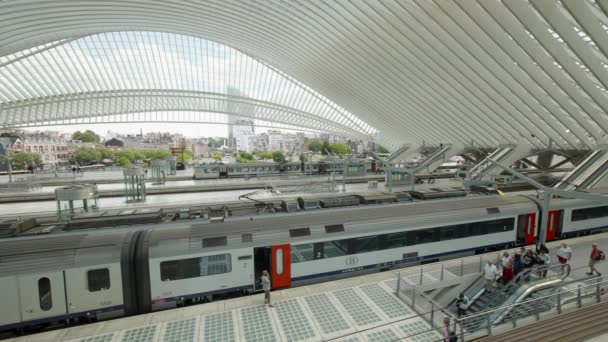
(462, 303)
(507, 272)
(518, 265)
(546, 260)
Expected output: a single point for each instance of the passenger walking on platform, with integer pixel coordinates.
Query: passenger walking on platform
(542, 248)
(462, 303)
(528, 259)
(564, 254)
(596, 255)
(266, 287)
(545, 258)
(507, 272)
(448, 336)
(490, 273)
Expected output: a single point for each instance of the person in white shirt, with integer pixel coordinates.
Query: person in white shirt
(546, 259)
(564, 254)
(490, 271)
(505, 260)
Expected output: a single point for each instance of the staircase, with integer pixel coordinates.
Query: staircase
(578, 325)
(587, 173)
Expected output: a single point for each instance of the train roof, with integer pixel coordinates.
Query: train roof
(31, 255)
(267, 229)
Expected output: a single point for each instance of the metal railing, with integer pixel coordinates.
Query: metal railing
(552, 298)
(532, 307)
(528, 276)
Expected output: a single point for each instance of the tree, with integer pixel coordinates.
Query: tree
(339, 149)
(246, 156)
(278, 156)
(86, 136)
(86, 155)
(325, 148)
(216, 142)
(22, 160)
(303, 157)
(217, 156)
(316, 145)
(124, 161)
(187, 156)
(105, 153)
(266, 155)
(257, 152)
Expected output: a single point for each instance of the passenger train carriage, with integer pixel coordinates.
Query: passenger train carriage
(212, 171)
(108, 273)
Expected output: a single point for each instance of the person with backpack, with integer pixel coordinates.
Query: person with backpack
(596, 255)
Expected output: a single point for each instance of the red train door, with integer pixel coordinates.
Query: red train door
(281, 266)
(552, 222)
(530, 228)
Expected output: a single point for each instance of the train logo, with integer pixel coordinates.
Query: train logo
(351, 261)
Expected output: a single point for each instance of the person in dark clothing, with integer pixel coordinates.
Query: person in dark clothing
(518, 265)
(542, 248)
(529, 259)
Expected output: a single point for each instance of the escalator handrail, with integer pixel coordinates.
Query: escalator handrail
(515, 282)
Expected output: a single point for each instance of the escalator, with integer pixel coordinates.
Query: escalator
(587, 173)
(523, 285)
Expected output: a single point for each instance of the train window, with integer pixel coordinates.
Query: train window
(248, 237)
(395, 240)
(215, 241)
(450, 232)
(363, 244)
(98, 280)
(45, 295)
(298, 232)
(279, 261)
(334, 228)
(245, 169)
(589, 213)
(195, 267)
(426, 236)
(318, 250)
(493, 210)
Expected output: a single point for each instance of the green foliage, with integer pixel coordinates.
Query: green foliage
(217, 156)
(303, 157)
(325, 148)
(316, 145)
(257, 152)
(105, 153)
(278, 156)
(216, 142)
(266, 155)
(86, 136)
(87, 155)
(124, 161)
(339, 149)
(152, 154)
(187, 156)
(246, 156)
(21, 161)
(381, 149)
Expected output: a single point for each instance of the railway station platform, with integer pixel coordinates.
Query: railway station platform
(363, 308)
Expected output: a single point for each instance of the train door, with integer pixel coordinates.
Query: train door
(42, 295)
(281, 266)
(223, 172)
(262, 260)
(277, 261)
(526, 227)
(553, 224)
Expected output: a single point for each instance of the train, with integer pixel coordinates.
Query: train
(214, 171)
(99, 275)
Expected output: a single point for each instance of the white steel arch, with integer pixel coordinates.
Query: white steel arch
(487, 72)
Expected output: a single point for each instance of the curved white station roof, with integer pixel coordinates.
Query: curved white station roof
(486, 72)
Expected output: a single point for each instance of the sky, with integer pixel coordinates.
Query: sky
(164, 62)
